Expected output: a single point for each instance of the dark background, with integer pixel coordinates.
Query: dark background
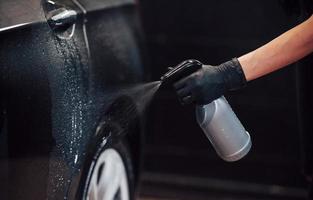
(271, 108)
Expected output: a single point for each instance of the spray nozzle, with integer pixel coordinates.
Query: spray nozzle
(183, 69)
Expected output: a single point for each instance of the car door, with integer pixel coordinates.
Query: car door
(44, 73)
(60, 59)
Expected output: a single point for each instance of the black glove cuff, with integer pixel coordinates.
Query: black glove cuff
(234, 76)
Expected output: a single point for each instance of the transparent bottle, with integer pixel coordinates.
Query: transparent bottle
(224, 130)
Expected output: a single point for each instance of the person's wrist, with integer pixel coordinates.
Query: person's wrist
(233, 74)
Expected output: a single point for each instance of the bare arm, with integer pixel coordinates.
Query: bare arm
(211, 82)
(283, 50)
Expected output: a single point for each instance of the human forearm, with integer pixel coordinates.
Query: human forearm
(283, 50)
(210, 82)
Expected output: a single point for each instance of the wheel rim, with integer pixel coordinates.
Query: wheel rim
(109, 179)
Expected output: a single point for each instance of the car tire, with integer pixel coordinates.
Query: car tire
(111, 175)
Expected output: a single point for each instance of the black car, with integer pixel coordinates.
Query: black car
(68, 129)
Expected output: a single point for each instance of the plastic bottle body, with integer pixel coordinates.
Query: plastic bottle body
(224, 130)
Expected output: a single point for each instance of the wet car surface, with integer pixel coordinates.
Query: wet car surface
(62, 64)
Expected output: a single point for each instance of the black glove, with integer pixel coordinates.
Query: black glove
(210, 82)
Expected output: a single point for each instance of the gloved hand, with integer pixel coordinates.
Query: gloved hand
(210, 82)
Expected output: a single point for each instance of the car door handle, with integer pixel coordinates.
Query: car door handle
(61, 19)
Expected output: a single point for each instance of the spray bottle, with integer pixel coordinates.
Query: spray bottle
(218, 121)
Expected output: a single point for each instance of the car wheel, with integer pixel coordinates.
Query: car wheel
(111, 177)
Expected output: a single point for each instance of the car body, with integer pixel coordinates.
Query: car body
(62, 64)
